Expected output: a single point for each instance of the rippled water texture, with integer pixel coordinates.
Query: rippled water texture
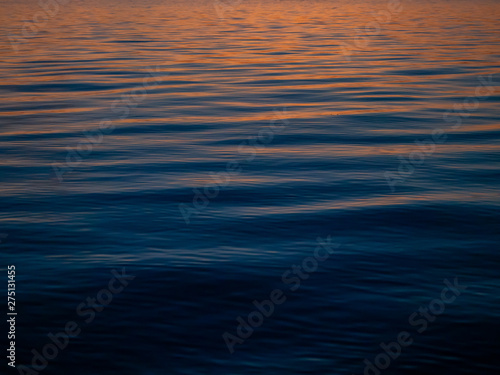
(206, 145)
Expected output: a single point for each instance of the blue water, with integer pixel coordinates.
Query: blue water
(235, 134)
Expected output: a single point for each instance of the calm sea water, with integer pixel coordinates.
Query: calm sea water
(204, 146)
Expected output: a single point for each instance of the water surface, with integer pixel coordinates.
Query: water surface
(331, 133)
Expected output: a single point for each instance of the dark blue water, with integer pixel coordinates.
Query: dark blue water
(204, 147)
